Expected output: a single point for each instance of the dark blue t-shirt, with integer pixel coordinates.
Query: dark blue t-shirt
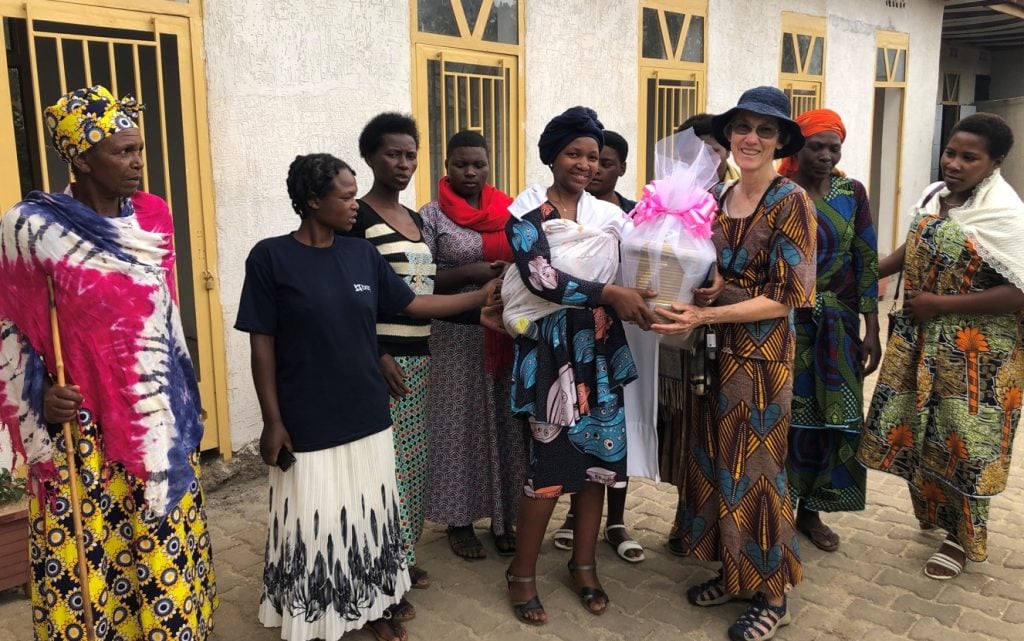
(321, 306)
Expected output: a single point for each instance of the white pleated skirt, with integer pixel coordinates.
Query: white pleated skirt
(334, 557)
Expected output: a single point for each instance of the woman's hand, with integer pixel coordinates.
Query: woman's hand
(481, 272)
(684, 319)
(394, 376)
(921, 307)
(273, 438)
(871, 346)
(630, 304)
(492, 292)
(705, 296)
(60, 404)
(490, 317)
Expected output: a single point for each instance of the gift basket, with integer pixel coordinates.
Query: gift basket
(669, 246)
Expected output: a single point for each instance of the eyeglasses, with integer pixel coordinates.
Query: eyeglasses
(765, 132)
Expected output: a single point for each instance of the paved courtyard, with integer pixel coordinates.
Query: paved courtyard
(871, 589)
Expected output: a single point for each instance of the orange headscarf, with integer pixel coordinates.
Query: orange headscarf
(813, 122)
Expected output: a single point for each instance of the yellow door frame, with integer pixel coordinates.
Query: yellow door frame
(888, 40)
(182, 20)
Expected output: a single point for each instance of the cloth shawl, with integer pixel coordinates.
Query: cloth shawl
(121, 336)
(993, 219)
(489, 221)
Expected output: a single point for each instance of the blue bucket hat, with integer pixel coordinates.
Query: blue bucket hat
(766, 101)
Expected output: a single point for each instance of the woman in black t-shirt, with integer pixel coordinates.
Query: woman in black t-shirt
(310, 303)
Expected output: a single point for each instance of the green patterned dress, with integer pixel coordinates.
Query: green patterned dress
(948, 398)
(828, 386)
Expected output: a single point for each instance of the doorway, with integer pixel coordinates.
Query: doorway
(885, 166)
(51, 48)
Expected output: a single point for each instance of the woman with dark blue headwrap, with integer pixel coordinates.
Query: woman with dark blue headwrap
(571, 357)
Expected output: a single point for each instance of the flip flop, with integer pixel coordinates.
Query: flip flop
(942, 560)
(819, 536)
(505, 543)
(626, 545)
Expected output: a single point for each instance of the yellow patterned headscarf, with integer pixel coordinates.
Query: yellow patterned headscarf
(84, 117)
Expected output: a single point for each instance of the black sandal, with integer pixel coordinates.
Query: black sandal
(464, 543)
(588, 595)
(505, 543)
(521, 608)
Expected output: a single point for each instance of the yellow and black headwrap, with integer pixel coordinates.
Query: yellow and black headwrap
(85, 117)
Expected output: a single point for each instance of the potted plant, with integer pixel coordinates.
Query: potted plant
(14, 531)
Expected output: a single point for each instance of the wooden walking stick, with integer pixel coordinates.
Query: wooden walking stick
(70, 449)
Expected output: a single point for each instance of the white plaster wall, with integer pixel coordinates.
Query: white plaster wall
(581, 52)
(1012, 109)
(743, 52)
(743, 46)
(287, 78)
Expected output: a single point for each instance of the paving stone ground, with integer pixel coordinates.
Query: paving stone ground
(871, 589)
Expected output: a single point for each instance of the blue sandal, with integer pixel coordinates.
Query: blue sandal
(761, 621)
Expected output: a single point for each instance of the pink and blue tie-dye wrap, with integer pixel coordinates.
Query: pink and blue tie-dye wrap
(121, 335)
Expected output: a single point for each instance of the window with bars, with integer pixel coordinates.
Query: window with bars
(802, 61)
(672, 72)
(467, 78)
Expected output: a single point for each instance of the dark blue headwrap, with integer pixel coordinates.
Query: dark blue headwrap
(575, 122)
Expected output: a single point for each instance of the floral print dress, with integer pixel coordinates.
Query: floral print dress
(568, 377)
(948, 398)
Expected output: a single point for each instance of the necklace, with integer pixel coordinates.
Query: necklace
(560, 205)
(949, 202)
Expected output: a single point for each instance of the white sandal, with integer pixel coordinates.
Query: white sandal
(563, 536)
(943, 560)
(625, 546)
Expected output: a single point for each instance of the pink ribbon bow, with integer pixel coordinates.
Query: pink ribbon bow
(695, 208)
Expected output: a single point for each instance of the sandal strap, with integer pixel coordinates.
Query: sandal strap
(620, 526)
(511, 578)
(761, 620)
(953, 544)
(945, 561)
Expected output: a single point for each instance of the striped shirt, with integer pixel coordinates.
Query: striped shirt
(411, 259)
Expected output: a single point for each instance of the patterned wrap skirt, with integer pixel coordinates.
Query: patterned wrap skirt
(409, 415)
(334, 557)
(150, 578)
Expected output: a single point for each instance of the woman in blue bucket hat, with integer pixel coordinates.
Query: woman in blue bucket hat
(737, 509)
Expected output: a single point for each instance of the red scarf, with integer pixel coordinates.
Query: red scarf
(489, 221)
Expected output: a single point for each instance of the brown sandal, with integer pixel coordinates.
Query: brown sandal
(403, 611)
(821, 535)
(397, 630)
(419, 578)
